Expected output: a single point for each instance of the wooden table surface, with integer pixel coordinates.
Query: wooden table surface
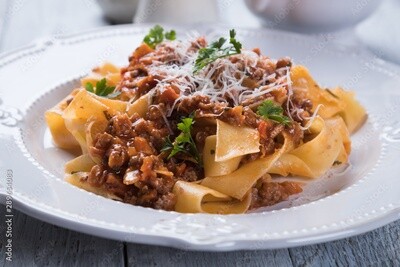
(36, 243)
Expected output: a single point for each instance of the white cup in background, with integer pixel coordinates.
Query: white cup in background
(177, 11)
(304, 15)
(118, 11)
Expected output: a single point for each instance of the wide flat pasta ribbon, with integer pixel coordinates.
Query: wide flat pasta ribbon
(213, 167)
(92, 128)
(234, 141)
(79, 179)
(333, 102)
(108, 71)
(305, 85)
(82, 108)
(315, 157)
(55, 117)
(83, 163)
(195, 198)
(238, 183)
(61, 136)
(353, 113)
(140, 106)
(86, 107)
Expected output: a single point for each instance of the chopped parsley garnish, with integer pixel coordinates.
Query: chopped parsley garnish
(184, 142)
(215, 51)
(156, 36)
(271, 111)
(101, 89)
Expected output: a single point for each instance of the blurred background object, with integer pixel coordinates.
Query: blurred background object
(311, 15)
(381, 32)
(118, 11)
(177, 11)
(339, 20)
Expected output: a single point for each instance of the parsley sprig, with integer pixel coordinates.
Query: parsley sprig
(271, 111)
(216, 50)
(102, 89)
(156, 36)
(184, 142)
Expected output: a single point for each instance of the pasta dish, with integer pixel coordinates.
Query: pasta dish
(191, 126)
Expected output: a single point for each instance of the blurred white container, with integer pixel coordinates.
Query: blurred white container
(119, 11)
(312, 15)
(177, 11)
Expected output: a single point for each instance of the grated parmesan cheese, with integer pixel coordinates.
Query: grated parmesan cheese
(221, 80)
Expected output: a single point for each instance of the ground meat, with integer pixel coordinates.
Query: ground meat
(191, 174)
(133, 143)
(120, 126)
(132, 164)
(268, 130)
(296, 133)
(136, 77)
(143, 146)
(114, 185)
(197, 44)
(136, 161)
(251, 118)
(138, 70)
(301, 109)
(268, 193)
(117, 156)
(166, 202)
(147, 168)
(284, 62)
(201, 105)
(97, 175)
(103, 140)
(129, 145)
(201, 132)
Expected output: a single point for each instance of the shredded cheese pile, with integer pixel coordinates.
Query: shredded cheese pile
(220, 79)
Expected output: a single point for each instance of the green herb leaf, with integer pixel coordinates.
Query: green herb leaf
(156, 36)
(237, 45)
(186, 125)
(102, 89)
(89, 87)
(167, 145)
(215, 51)
(271, 111)
(171, 35)
(184, 142)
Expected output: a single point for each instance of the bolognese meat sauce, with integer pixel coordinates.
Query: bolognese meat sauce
(134, 166)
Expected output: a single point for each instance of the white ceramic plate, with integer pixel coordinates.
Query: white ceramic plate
(345, 202)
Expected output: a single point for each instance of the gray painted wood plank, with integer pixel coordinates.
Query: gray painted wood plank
(380, 247)
(144, 255)
(36, 243)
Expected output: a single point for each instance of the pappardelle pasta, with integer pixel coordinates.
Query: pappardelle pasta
(196, 127)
